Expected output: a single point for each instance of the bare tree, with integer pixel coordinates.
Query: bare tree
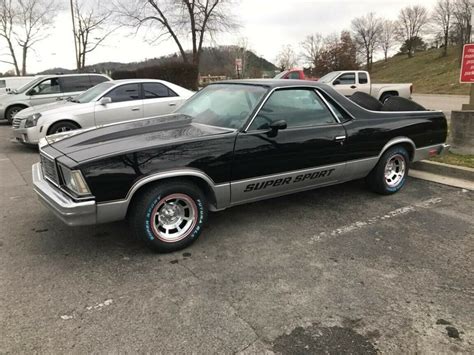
(387, 37)
(366, 31)
(34, 18)
(462, 21)
(311, 48)
(411, 22)
(8, 17)
(179, 20)
(442, 20)
(286, 59)
(92, 28)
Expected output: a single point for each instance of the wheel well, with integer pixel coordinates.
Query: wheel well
(200, 183)
(16, 105)
(65, 120)
(392, 93)
(409, 148)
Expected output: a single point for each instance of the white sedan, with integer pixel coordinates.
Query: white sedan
(105, 103)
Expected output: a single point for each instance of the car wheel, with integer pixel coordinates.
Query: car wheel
(168, 216)
(63, 126)
(12, 111)
(385, 97)
(390, 173)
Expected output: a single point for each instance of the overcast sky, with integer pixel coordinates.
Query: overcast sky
(267, 25)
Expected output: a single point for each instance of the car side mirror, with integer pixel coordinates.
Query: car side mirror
(105, 100)
(276, 126)
(336, 82)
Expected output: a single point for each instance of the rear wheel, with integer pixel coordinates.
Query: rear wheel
(62, 126)
(12, 111)
(389, 175)
(168, 216)
(385, 97)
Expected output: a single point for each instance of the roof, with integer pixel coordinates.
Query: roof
(272, 83)
(119, 81)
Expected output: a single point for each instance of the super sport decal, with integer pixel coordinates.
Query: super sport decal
(289, 180)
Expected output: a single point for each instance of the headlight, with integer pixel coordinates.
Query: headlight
(32, 120)
(74, 181)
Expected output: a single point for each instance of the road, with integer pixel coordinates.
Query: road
(333, 270)
(445, 103)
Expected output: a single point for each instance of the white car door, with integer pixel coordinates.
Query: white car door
(345, 83)
(45, 92)
(158, 99)
(363, 82)
(126, 104)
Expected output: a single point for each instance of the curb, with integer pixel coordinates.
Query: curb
(453, 171)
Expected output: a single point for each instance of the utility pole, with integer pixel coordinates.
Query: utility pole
(74, 34)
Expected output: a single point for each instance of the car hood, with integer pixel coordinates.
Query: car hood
(132, 136)
(53, 108)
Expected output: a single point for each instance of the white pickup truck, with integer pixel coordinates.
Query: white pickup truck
(348, 82)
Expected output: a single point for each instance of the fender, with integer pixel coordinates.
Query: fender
(398, 140)
(117, 210)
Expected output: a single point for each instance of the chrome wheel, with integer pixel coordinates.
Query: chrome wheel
(62, 129)
(395, 170)
(174, 217)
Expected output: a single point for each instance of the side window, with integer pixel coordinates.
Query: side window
(97, 79)
(48, 86)
(3, 84)
(342, 115)
(128, 92)
(156, 90)
(298, 107)
(363, 78)
(347, 79)
(294, 75)
(75, 83)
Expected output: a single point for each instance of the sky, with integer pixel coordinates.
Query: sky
(267, 25)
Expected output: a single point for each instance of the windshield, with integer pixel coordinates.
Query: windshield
(93, 92)
(281, 75)
(27, 86)
(328, 78)
(223, 105)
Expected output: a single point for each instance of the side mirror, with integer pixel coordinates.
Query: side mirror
(276, 126)
(336, 82)
(105, 100)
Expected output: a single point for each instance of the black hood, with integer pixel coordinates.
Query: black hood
(132, 136)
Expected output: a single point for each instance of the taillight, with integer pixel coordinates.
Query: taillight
(411, 89)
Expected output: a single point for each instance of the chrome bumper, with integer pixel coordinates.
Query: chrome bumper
(69, 211)
(431, 151)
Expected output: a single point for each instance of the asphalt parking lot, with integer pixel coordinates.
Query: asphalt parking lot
(334, 270)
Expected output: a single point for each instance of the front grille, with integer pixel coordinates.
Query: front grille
(50, 171)
(16, 122)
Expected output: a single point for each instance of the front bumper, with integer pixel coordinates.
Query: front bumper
(71, 212)
(25, 135)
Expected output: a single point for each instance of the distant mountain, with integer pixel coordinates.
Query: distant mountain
(214, 61)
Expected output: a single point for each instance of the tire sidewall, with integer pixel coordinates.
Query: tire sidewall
(152, 198)
(53, 129)
(386, 157)
(8, 114)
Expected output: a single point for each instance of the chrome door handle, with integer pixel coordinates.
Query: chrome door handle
(135, 109)
(340, 138)
(172, 104)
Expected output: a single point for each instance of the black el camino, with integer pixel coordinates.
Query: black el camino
(234, 142)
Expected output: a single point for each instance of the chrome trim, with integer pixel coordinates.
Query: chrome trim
(395, 141)
(69, 211)
(340, 138)
(329, 107)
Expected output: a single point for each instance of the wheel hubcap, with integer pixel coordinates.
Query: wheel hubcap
(395, 170)
(62, 129)
(174, 218)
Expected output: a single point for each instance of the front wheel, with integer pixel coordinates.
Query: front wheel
(390, 173)
(62, 126)
(168, 216)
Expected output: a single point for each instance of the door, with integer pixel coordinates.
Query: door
(158, 99)
(363, 82)
(74, 85)
(46, 91)
(345, 83)
(126, 104)
(308, 153)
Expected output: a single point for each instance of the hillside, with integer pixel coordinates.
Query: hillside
(429, 73)
(214, 61)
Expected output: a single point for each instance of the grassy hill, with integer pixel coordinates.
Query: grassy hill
(428, 71)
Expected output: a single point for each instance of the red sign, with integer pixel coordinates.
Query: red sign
(467, 65)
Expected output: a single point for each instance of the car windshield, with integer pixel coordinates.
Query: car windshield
(329, 77)
(27, 86)
(93, 92)
(223, 105)
(281, 75)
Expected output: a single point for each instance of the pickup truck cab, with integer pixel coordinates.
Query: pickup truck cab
(347, 82)
(294, 74)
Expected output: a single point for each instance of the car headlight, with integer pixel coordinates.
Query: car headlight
(32, 120)
(74, 181)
